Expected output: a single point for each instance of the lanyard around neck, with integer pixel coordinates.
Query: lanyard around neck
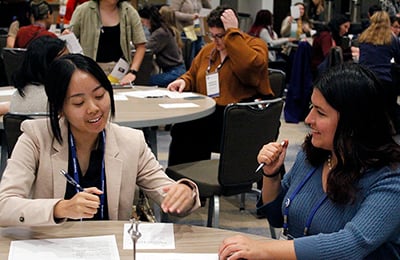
(209, 62)
(290, 200)
(76, 172)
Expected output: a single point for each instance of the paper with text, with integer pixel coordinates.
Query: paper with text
(154, 236)
(88, 248)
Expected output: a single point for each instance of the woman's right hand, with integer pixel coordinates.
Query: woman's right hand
(272, 155)
(177, 85)
(83, 205)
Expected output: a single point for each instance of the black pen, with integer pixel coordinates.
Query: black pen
(263, 164)
(71, 180)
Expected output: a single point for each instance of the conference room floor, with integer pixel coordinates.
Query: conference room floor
(230, 215)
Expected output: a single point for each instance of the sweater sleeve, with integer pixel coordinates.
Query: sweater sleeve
(376, 222)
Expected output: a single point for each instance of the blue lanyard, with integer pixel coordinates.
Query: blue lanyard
(290, 200)
(76, 173)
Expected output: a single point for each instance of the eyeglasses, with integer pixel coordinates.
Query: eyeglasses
(218, 36)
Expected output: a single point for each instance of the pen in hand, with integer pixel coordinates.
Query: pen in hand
(283, 143)
(71, 181)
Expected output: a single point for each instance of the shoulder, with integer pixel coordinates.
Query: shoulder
(125, 134)
(36, 129)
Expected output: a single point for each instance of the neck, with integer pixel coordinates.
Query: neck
(85, 142)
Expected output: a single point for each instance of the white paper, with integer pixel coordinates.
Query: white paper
(119, 97)
(7, 92)
(158, 93)
(154, 236)
(204, 12)
(88, 248)
(72, 43)
(295, 12)
(178, 105)
(120, 69)
(175, 256)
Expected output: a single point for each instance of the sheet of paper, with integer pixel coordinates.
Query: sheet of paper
(6, 92)
(96, 248)
(154, 236)
(177, 256)
(72, 42)
(178, 105)
(120, 97)
(159, 93)
(204, 12)
(295, 12)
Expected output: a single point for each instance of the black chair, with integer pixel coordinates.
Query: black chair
(147, 68)
(12, 58)
(246, 128)
(277, 80)
(12, 123)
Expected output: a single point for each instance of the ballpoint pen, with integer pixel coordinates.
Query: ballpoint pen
(71, 180)
(283, 143)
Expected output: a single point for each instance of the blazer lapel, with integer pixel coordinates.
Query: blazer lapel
(59, 161)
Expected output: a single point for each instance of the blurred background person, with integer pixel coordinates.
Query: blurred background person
(106, 29)
(187, 14)
(378, 46)
(162, 42)
(329, 36)
(23, 18)
(263, 28)
(30, 96)
(304, 25)
(395, 25)
(42, 13)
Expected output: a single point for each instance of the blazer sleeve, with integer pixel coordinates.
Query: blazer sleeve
(19, 182)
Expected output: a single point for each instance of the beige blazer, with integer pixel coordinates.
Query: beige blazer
(31, 183)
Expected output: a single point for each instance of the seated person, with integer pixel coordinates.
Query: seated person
(162, 42)
(339, 199)
(21, 19)
(304, 26)
(43, 17)
(263, 28)
(106, 160)
(395, 25)
(235, 60)
(29, 79)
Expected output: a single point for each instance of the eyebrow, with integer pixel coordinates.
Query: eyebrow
(81, 94)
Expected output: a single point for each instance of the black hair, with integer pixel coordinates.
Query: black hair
(38, 56)
(40, 10)
(214, 17)
(363, 137)
(58, 80)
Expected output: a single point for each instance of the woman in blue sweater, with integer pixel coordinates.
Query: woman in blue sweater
(341, 198)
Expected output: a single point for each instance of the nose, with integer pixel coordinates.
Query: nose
(92, 107)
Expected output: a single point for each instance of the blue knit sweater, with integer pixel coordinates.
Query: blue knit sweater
(367, 229)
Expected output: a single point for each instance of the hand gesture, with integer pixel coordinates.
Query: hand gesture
(177, 85)
(82, 205)
(273, 156)
(229, 19)
(179, 199)
(242, 247)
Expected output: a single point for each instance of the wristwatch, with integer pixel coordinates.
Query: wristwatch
(134, 72)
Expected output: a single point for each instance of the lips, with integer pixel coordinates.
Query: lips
(94, 120)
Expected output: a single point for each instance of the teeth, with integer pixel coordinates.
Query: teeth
(94, 120)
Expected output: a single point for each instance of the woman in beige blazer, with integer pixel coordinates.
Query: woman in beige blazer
(105, 159)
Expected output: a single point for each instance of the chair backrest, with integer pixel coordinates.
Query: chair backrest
(246, 128)
(146, 69)
(12, 127)
(12, 58)
(277, 80)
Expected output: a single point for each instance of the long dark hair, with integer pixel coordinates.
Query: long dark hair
(38, 56)
(363, 138)
(57, 83)
(263, 20)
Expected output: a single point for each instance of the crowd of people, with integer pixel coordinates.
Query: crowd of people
(329, 204)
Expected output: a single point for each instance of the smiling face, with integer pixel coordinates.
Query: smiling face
(323, 120)
(86, 106)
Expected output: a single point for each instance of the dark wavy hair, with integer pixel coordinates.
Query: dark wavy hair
(263, 20)
(57, 83)
(38, 56)
(363, 138)
(214, 17)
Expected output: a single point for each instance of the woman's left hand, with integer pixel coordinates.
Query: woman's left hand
(179, 199)
(229, 19)
(242, 247)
